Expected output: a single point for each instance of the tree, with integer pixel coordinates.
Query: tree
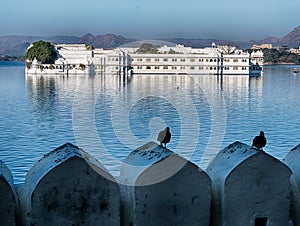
(82, 67)
(275, 56)
(227, 49)
(42, 51)
(90, 47)
(147, 48)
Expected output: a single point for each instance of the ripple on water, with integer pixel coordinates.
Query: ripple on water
(37, 114)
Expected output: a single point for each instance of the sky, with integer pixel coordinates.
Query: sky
(219, 19)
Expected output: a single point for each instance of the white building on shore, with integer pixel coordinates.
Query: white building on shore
(214, 60)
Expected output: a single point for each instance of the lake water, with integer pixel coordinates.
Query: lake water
(109, 116)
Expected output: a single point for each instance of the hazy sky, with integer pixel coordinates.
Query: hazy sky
(221, 19)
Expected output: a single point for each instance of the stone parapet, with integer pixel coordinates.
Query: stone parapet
(241, 186)
(7, 197)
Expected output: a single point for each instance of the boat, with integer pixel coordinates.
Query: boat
(296, 70)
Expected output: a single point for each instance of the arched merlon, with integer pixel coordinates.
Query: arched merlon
(292, 159)
(249, 185)
(69, 187)
(7, 196)
(164, 189)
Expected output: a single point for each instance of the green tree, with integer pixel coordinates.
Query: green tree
(82, 66)
(90, 47)
(42, 51)
(28, 65)
(274, 56)
(147, 48)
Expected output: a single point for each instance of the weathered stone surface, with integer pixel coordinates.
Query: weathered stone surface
(7, 197)
(292, 159)
(69, 187)
(163, 188)
(249, 186)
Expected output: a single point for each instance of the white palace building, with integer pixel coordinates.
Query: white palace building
(214, 60)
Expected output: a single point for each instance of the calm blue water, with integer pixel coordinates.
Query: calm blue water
(109, 116)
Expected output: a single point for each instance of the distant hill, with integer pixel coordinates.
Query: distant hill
(104, 41)
(17, 45)
(200, 42)
(292, 39)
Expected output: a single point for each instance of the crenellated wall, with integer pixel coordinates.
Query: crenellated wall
(241, 186)
(163, 188)
(249, 186)
(69, 187)
(7, 196)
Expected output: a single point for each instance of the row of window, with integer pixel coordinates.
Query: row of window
(184, 67)
(181, 59)
(113, 59)
(235, 60)
(191, 60)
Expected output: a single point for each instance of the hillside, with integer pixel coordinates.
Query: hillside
(104, 41)
(17, 45)
(292, 39)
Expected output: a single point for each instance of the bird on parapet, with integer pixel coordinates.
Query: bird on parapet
(259, 141)
(164, 137)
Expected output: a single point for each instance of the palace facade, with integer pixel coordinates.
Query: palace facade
(214, 60)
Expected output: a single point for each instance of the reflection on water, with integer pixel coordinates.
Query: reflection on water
(113, 115)
(109, 116)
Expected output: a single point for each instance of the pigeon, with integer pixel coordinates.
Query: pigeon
(260, 141)
(164, 136)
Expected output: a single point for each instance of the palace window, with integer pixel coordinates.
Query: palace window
(174, 60)
(192, 68)
(182, 60)
(200, 68)
(148, 60)
(235, 60)
(156, 59)
(244, 60)
(244, 68)
(156, 67)
(174, 67)
(200, 60)
(235, 68)
(166, 67)
(182, 68)
(148, 67)
(165, 59)
(192, 60)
